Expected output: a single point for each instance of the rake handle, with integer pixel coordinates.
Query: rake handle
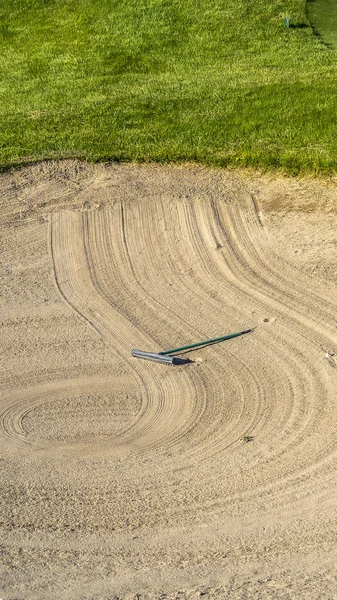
(218, 339)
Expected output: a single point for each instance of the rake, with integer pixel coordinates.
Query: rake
(164, 356)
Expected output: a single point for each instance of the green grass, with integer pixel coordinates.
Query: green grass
(221, 82)
(323, 15)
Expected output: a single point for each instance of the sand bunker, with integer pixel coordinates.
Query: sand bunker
(123, 478)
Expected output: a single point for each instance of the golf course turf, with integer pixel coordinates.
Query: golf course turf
(217, 82)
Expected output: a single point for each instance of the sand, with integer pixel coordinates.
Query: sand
(126, 479)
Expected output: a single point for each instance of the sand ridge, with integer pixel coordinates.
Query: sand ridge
(124, 478)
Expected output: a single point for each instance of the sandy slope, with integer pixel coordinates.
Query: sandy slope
(127, 479)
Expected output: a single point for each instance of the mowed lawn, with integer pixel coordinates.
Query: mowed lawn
(222, 82)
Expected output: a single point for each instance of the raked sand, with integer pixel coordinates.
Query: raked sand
(123, 478)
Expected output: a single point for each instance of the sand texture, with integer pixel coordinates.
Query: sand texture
(123, 478)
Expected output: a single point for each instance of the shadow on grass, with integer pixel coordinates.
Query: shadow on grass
(299, 26)
(313, 29)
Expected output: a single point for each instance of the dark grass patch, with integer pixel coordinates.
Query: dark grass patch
(322, 15)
